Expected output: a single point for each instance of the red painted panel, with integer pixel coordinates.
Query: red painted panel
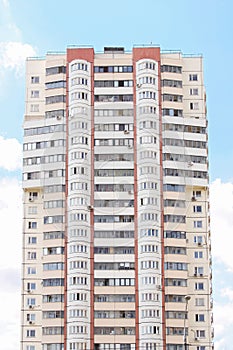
(154, 54)
(88, 55)
(80, 53)
(146, 52)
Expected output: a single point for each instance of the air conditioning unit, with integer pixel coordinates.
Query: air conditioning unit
(195, 275)
(130, 192)
(30, 322)
(199, 243)
(31, 199)
(130, 146)
(193, 198)
(90, 207)
(190, 163)
(31, 306)
(29, 291)
(201, 274)
(139, 85)
(159, 287)
(126, 131)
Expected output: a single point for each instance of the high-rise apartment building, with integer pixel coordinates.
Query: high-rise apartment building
(116, 240)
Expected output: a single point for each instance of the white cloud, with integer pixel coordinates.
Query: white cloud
(11, 154)
(221, 208)
(13, 55)
(223, 325)
(227, 292)
(6, 3)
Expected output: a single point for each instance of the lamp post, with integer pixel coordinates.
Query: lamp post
(187, 298)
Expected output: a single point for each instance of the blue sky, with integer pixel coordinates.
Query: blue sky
(201, 26)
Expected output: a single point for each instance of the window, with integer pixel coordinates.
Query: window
(176, 266)
(35, 93)
(194, 105)
(54, 235)
(53, 314)
(31, 286)
(32, 255)
(35, 80)
(53, 282)
(193, 91)
(113, 112)
(171, 69)
(55, 99)
(53, 250)
(115, 69)
(200, 333)
(193, 77)
(199, 302)
(59, 113)
(54, 346)
(147, 80)
(197, 224)
(53, 298)
(31, 270)
(172, 83)
(197, 209)
(147, 65)
(79, 346)
(174, 203)
(150, 329)
(53, 219)
(174, 347)
(32, 210)
(147, 95)
(200, 318)
(172, 98)
(174, 188)
(198, 271)
(53, 266)
(172, 112)
(32, 224)
(198, 255)
(147, 139)
(31, 333)
(174, 250)
(175, 218)
(198, 240)
(79, 96)
(34, 108)
(114, 282)
(113, 98)
(31, 176)
(113, 83)
(56, 84)
(176, 282)
(30, 347)
(175, 234)
(31, 302)
(32, 240)
(52, 330)
(199, 286)
(78, 66)
(56, 70)
(31, 317)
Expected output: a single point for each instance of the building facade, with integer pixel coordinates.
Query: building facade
(116, 237)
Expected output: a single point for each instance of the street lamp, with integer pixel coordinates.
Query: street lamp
(187, 298)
